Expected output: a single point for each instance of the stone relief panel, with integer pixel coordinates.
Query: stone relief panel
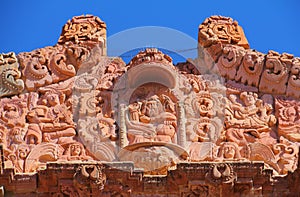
(209, 135)
(287, 111)
(67, 111)
(152, 115)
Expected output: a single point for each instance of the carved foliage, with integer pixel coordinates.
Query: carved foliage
(89, 177)
(10, 81)
(221, 173)
(45, 66)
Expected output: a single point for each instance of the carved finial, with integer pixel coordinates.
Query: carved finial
(85, 30)
(223, 30)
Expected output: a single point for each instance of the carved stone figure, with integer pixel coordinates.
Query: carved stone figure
(155, 119)
(250, 121)
(53, 117)
(229, 151)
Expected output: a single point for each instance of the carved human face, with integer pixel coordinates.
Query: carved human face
(75, 150)
(248, 99)
(53, 99)
(228, 151)
(152, 108)
(11, 111)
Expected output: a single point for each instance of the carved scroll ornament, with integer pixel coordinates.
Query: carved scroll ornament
(10, 81)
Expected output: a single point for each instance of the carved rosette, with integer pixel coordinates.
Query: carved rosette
(10, 81)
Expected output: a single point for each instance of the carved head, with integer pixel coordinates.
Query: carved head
(249, 98)
(229, 150)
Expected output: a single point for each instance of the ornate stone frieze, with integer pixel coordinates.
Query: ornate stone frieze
(90, 125)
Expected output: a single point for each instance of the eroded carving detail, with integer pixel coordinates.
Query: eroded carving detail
(250, 70)
(221, 173)
(276, 73)
(10, 81)
(218, 30)
(151, 55)
(230, 60)
(288, 118)
(86, 31)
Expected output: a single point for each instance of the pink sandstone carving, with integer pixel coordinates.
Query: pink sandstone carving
(86, 123)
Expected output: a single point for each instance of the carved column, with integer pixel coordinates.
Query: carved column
(181, 124)
(122, 126)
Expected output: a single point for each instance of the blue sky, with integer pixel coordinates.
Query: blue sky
(268, 25)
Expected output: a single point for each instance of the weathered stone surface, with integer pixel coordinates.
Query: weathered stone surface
(88, 31)
(11, 84)
(91, 125)
(275, 76)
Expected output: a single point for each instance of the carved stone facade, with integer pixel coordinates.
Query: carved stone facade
(74, 122)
